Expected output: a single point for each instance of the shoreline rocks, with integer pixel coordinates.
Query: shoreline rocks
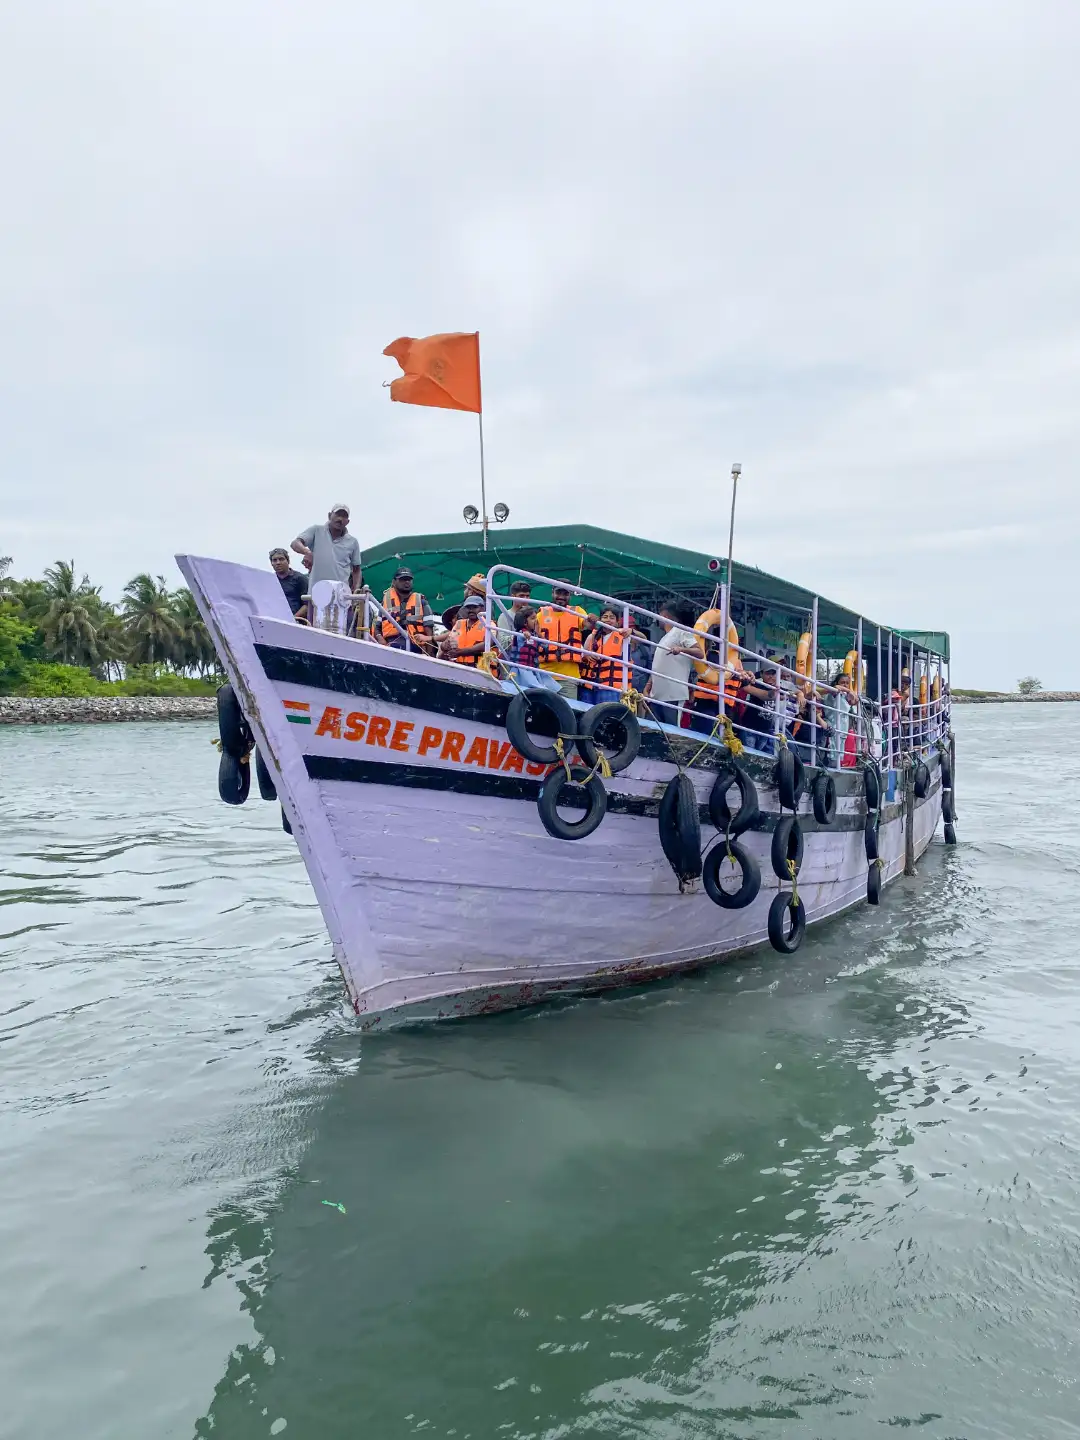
(99, 709)
(1054, 696)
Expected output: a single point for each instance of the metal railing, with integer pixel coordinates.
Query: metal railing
(810, 714)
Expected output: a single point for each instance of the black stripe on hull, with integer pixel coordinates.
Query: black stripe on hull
(439, 696)
(512, 787)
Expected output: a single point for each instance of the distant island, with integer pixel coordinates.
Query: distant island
(1004, 697)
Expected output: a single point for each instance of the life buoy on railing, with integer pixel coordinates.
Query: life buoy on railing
(802, 654)
(922, 689)
(935, 688)
(851, 670)
(707, 624)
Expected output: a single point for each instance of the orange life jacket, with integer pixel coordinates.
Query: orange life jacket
(562, 630)
(704, 691)
(408, 613)
(466, 633)
(610, 671)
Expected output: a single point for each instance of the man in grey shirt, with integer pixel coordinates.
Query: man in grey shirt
(329, 551)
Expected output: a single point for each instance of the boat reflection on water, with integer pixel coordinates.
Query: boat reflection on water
(595, 1216)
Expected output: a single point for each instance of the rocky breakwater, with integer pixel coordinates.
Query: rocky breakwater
(989, 697)
(97, 709)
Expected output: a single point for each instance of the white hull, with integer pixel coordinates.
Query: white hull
(442, 891)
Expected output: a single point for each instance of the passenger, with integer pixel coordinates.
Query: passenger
(759, 709)
(475, 585)
(329, 551)
(292, 582)
(705, 703)
(468, 639)
(809, 729)
(520, 591)
(604, 650)
(525, 654)
(560, 629)
(640, 656)
(668, 689)
(412, 613)
(846, 743)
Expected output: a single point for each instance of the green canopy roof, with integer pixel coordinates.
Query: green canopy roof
(642, 571)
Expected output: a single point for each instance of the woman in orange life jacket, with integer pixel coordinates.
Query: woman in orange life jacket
(468, 639)
(411, 611)
(604, 658)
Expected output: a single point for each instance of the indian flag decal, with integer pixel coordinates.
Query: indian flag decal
(297, 712)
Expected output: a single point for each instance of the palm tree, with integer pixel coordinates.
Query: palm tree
(194, 649)
(112, 642)
(150, 626)
(67, 624)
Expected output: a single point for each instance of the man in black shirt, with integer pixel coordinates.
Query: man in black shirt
(293, 583)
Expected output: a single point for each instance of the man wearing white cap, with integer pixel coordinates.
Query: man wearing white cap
(329, 551)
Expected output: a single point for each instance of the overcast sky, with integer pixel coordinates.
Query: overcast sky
(838, 242)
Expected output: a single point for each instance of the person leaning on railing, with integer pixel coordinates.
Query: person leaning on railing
(559, 625)
(668, 690)
(468, 639)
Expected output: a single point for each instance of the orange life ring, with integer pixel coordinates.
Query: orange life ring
(802, 654)
(704, 625)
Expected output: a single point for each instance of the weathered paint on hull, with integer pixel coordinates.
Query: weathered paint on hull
(442, 892)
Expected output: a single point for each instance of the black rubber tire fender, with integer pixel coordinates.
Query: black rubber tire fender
(824, 797)
(267, 788)
(719, 810)
(946, 773)
(787, 923)
(553, 789)
(948, 814)
(870, 837)
(871, 787)
(787, 844)
(233, 778)
(529, 705)
(873, 884)
(610, 712)
(749, 869)
(233, 730)
(680, 827)
(789, 776)
(285, 822)
(950, 834)
(922, 780)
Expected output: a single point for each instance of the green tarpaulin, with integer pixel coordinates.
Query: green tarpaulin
(641, 571)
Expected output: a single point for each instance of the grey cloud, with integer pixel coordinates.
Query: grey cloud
(835, 242)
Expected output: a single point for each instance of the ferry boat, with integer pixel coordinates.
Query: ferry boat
(476, 844)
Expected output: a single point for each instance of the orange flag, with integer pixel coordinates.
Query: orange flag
(441, 370)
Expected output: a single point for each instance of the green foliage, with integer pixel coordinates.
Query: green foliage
(15, 638)
(58, 636)
(1028, 686)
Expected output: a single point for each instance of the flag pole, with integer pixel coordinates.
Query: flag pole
(736, 471)
(483, 487)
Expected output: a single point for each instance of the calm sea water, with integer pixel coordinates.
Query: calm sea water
(802, 1197)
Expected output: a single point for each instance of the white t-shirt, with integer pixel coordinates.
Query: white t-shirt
(331, 559)
(671, 664)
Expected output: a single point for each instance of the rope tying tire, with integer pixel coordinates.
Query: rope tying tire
(784, 909)
(824, 797)
(529, 706)
(719, 811)
(680, 828)
(788, 777)
(234, 778)
(267, 788)
(594, 731)
(551, 791)
(749, 871)
(787, 846)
